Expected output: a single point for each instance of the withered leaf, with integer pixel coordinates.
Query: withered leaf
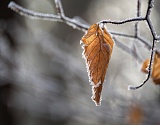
(145, 65)
(155, 69)
(98, 46)
(135, 115)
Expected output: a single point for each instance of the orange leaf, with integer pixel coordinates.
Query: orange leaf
(98, 46)
(145, 65)
(135, 115)
(155, 69)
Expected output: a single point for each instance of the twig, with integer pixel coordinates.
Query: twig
(138, 15)
(51, 17)
(149, 70)
(124, 21)
(147, 44)
(32, 14)
(121, 34)
(59, 8)
(154, 35)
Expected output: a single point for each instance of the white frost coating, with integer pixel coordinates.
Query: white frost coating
(11, 4)
(147, 68)
(72, 25)
(93, 96)
(59, 8)
(90, 78)
(56, 1)
(81, 42)
(51, 17)
(97, 85)
(130, 87)
(31, 14)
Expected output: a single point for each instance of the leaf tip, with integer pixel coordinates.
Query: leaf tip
(96, 95)
(97, 103)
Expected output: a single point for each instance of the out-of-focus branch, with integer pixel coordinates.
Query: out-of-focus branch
(127, 49)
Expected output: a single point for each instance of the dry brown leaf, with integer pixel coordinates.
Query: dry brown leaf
(145, 65)
(135, 115)
(96, 94)
(98, 46)
(155, 70)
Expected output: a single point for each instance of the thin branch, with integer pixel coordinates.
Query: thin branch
(31, 14)
(154, 35)
(141, 39)
(149, 69)
(125, 48)
(59, 8)
(138, 8)
(123, 21)
(153, 32)
(149, 22)
(150, 6)
(147, 44)
(121, 34)
(51, 17)
(138, 15)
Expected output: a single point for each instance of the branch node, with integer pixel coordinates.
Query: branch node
(59, 8)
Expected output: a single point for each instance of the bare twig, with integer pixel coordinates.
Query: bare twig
(138, 8)
(124, 21)
(51, 17)
(138, 15)
(149, 69)
(154, 35)
(59, 8)
(34, 15)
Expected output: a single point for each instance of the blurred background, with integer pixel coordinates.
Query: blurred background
(43, 79)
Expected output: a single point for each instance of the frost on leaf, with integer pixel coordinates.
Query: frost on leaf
(155, 69)
(98, 46)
